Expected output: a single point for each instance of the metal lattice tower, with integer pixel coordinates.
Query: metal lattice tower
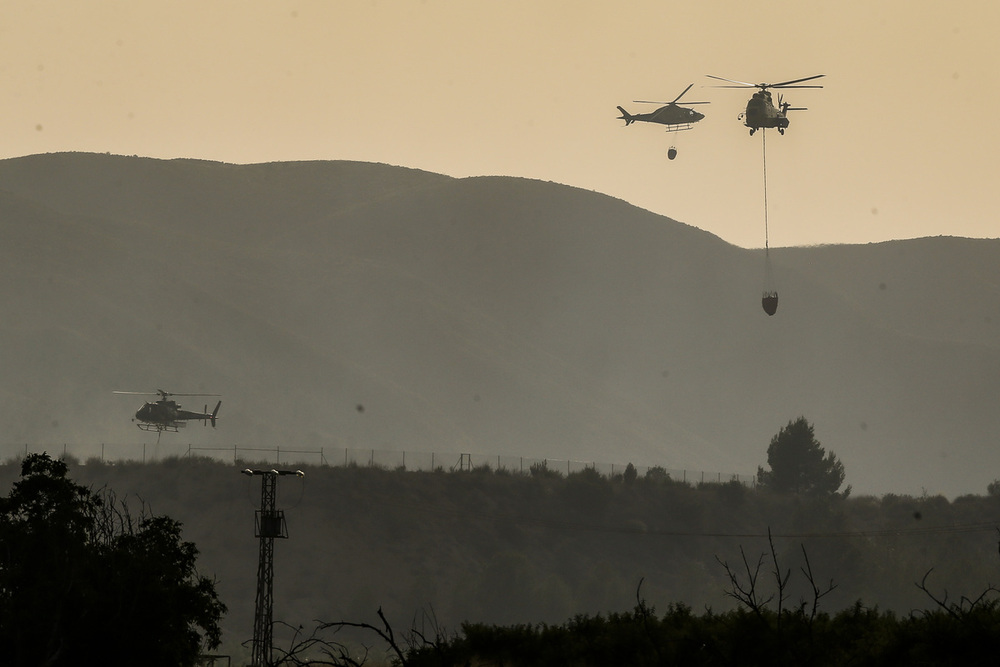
(269, 524)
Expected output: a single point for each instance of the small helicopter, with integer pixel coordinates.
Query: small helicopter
(761, 111)
(166, 415)
(675, 117)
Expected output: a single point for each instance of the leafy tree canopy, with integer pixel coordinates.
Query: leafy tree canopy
(799, 464)
(82, 581)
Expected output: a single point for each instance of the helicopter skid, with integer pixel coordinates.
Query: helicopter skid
(160, 428)
(680, 128)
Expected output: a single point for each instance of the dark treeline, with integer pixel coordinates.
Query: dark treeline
(956, 635)
(498, 549)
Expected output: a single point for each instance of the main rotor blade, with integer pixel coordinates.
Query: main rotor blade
(682, 94)
(788, 84)
(763, 86)
(158, 393)
(667, 103)
(743, 84)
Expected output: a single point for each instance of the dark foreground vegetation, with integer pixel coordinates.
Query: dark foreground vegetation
(493, 563)
(85, 579)
(762, 630)
(856, 636)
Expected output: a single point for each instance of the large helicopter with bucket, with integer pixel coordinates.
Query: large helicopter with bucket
(166, 414)
(674, 116)
(761, 111)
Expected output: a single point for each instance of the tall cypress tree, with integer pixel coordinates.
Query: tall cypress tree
(799, 464)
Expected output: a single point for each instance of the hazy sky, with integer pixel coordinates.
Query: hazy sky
(900, 143)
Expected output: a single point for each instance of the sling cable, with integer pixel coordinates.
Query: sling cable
(769, 299)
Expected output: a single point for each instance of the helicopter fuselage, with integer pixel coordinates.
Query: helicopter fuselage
(671, 115)
(166, 415)
(761, 113)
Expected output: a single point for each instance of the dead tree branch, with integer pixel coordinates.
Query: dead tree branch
(746, 592)
(816, 590)
(781, 581)
(958, 610)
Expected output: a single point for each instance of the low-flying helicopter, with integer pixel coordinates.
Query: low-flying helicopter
(761, 111)
(166, 415)
(675, 117)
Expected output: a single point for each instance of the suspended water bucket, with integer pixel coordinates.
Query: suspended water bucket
(671, 153)
(770, 302)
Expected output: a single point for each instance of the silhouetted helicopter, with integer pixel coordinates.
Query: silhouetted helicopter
(166, 415)
(761, 111)
(675, 117)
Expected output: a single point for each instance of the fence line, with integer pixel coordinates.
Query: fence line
(397, 460)
(459, 461)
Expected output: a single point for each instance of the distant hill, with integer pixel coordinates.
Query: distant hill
(488, 315)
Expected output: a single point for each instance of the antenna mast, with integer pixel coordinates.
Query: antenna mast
(269, 524)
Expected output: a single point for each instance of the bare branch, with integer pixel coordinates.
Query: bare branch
(385, 633)
(982, 597)
(418, 638)
(302, 651)
(817, 592)
(746, 594)
(943, 602)
(780, 580)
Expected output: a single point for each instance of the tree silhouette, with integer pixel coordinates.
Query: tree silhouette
(81, 580)
(799, 464)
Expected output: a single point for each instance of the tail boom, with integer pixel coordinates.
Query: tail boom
(626, 116)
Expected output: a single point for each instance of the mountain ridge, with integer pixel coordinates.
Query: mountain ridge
(491, 314)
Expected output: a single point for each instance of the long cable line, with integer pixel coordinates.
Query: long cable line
(949, 529)
(584, 526)
(769, 298)
(763, 150)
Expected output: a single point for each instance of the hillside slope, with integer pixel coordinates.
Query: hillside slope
(487, 315)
